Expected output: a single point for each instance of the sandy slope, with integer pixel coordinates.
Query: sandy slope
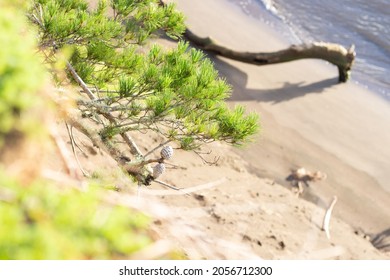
(255, 212)
(242, 207)
(230, 213)
(308, 120)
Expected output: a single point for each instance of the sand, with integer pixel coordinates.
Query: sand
(307, 120)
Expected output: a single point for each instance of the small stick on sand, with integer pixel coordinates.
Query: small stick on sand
(185, 191)
(167, 185)
(328, 213)
(171, 187)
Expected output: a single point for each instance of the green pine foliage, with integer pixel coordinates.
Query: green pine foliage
(175, 92)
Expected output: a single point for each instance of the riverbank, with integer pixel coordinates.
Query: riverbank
(308, 119)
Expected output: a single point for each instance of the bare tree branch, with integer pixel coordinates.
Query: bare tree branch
(200, 154)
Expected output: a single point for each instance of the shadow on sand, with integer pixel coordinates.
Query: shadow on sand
(288, 91)
(238, 79)
(381, 241)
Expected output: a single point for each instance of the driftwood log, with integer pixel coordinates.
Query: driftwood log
(333, 53)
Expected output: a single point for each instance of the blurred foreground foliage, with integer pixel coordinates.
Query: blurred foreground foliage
(21, 74)
(41, 219)
(42, 222)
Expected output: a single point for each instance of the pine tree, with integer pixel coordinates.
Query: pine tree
(133, 83)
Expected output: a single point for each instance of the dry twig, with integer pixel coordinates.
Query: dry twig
(70, 166)
(328, 213)
(73, 143)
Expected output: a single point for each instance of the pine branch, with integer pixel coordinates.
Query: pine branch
(134, 150)
(156, 148)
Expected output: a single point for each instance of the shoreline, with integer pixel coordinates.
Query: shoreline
(289, 20)
(308, 119)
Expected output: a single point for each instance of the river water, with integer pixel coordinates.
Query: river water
(364, 23)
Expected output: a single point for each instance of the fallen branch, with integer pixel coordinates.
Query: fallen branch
(333, 53)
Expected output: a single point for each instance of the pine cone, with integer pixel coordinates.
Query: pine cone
(158, 170)
(166, 152)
